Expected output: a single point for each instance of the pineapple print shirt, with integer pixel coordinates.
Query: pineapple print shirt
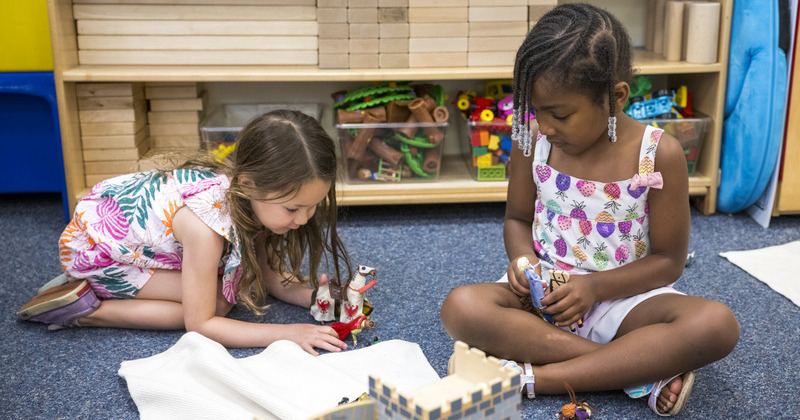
(121, 231)
(583, 226)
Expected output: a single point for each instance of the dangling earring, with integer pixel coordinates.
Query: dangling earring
(612, 129)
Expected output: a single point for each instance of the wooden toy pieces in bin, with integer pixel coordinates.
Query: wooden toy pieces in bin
(391, 131)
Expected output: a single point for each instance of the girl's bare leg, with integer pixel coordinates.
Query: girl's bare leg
(661, 337)
(157, 306)
(489, 316)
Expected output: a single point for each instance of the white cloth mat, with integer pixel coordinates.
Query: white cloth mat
(198, 378)
(774, 265)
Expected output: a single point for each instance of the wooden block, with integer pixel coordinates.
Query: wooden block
(133, 153)
(331, 46)
(193, 12)
(171, 92)
(453, 59)
(393, 30)
(479, 29)
(437, 30)
(552, 3)
(393, 61)
(109, 102)
(536, 12)
(393, 15)
(172, 141)
(107, 89)
(111, 167)
(113, 142)
(394, 46)
(209, 27)
(489, 3)
(437, 14)
(334, 31)
(392, 3)
(423, 45)
(194, 104)
(174, 117)
(437, 3)
(362, 15)
(495, 43)
(364, 30)
(136, 57)
(334, 61)
(174, 129)
(111, 115)
(362, 3)
(331, 3)
(332, 15)
(498, 14)
(498, 58)
(363, 46)
(111, 128)
(231, 42)
(364, 61)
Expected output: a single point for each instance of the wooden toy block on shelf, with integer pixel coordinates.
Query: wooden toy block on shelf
(175, 113)
(507, 26)
(113, 126)
(478, 387)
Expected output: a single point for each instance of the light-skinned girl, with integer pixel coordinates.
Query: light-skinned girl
(606, 199)
(177, 249)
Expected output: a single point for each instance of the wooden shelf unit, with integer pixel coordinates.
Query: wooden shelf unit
(706, 81)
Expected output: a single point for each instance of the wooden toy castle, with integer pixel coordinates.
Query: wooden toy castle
(477, 387)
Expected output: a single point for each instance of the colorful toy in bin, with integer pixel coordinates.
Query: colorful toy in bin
(392, 131)
(488, 124)
(671, 110)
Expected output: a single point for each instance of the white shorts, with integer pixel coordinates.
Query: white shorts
(602, 321)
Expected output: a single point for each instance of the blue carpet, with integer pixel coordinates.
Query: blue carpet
(421, 253)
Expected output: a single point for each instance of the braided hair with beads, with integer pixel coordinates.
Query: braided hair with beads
(575, 45)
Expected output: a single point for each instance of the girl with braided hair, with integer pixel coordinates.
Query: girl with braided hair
(605, 214)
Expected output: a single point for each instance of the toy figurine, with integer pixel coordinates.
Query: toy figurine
(323, 307)
(353, 296)
(575, 410)
(353, 327)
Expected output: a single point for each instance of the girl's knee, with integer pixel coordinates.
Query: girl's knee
(459, 304)
(720, 327)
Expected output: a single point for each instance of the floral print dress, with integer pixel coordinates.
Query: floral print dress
(121, 231)
(582, 226)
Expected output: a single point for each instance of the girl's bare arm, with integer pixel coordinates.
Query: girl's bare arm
(202, 250)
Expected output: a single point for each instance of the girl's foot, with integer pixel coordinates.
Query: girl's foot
(669, 395)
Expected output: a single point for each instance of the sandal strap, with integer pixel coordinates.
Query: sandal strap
(528, 380)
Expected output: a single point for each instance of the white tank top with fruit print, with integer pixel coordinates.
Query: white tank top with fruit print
(583, 226)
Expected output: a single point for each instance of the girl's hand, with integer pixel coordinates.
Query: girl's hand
(310, 336)
(570, 302)
(516, 278)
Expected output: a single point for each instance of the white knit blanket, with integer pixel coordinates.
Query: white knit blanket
(198, 378)
(774, 266)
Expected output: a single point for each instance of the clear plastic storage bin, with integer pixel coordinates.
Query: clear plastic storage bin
(392, 152)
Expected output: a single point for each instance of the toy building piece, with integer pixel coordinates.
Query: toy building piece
(478, 387)
(353, 296)
(322, 309)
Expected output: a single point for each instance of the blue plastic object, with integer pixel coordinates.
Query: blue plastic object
(30, 135)
(754, 106)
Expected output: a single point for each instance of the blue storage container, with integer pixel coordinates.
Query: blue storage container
(30, 135)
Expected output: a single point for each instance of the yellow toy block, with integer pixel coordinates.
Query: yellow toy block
(494, 142)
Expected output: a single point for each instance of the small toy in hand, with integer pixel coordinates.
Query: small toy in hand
(536, 286)
(575, 410)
